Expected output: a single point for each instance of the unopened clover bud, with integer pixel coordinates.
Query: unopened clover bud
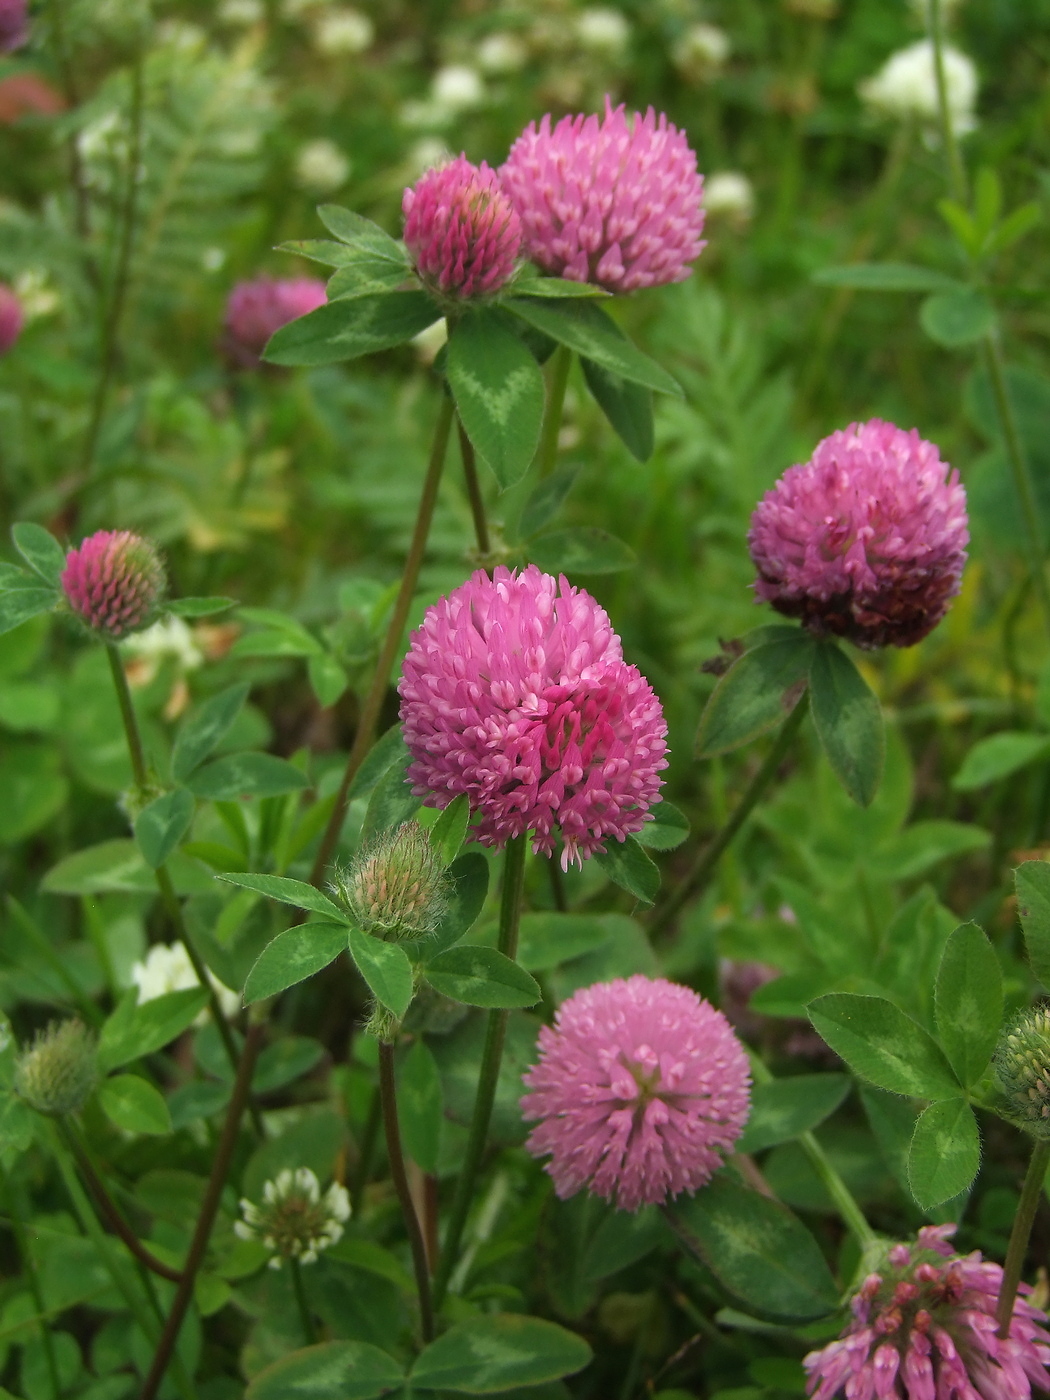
(56, 1074)
(114, 582)
(396, 887)
(1022, 1070)
(462, 231)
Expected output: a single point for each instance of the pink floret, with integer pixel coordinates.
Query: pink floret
(614, 201)
(11, 319)
(640, 1089)
(515, 692)
(867, 540)
(925, 1329)
(14, 25)
(256, 309)
(114, 581)
(461, 229)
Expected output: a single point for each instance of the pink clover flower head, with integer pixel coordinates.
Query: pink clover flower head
(612, 201)
(14, 25)
(924, 1328)
(515, 692)
(12, 319)
(256, 309)
(640, 1088)
(461, 229)
(867, 540)
(114, 581)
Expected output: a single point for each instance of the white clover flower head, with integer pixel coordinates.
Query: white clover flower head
(729, 194)
(905, 87)
(241, 12)
(295, 1220)
(340, 32)
(457, 88)
(321, 166)
(426, 153)
(502, 52)
(167, 968)
(168, 639)
(602, 30)
(35, 293)
(701, 50)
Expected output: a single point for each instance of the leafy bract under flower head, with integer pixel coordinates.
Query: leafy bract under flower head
(515, 692)
(612, 201)
(867, 540)
(640, 1088)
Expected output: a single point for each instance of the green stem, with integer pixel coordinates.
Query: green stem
(305, 1315)
(547, 452)
(369, 717)
(209, 1209)
(477, 502)
(106, 1206)
(127, 714)
(1019, 1235)
(368, 1146)
(953, 156)
(510, 920)
(708, 858)
(395, 1153)
(19, 1213)
(122, 274)
(1021, 471)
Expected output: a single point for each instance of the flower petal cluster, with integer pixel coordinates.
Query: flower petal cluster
(114, 581)
(866, 540)
(615, 202)
(167, 968)
(256, 309)
(640, 1088)
(12, 319)
(56, 1074)
(295, 1221)
(924, 1328)
(14, 24)
(905, 87)
(461, 230)
(515, 692)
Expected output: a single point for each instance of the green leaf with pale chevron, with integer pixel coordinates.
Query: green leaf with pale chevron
(498, 388)
(589, 330)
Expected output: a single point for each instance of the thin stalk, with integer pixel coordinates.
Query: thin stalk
(1020, 470)
(209, 1209)
(305, 1316)
(70, 87)
(107, 1207)
(395, 1152)
(509, 922)
(953, 156)
(369, 1138)
(18, 1212)
(708, 858)
(130, 719)
(547, 452)
(369, 717)
(477, 503)
(122, 274)
(1019, 1235)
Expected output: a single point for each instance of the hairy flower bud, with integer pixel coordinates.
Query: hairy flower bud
(461, 229)
(56, 1074)
(1022, 1070)
(396, 887)
(114, 581)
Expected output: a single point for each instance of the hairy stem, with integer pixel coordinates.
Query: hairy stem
(106, 1206)
(395, 1152)
(708, 858)
(952, 154)
(477, 503)
(510, 919)
(369, 717)
(1019, 1235)
(209, 1209)
(547, 452)
(129, 718)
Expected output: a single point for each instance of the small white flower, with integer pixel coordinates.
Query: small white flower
(457, 88)
(36, 294)
(321, 166)
(339, 32)
(702, 49)
(602, 30)
(213, 259)
(181, 36)
(170, 638)
(729, 193)
(295, 1221)
(502, 52)
(241, 12)
(428, 152)
(906, 87)
(168, 969)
